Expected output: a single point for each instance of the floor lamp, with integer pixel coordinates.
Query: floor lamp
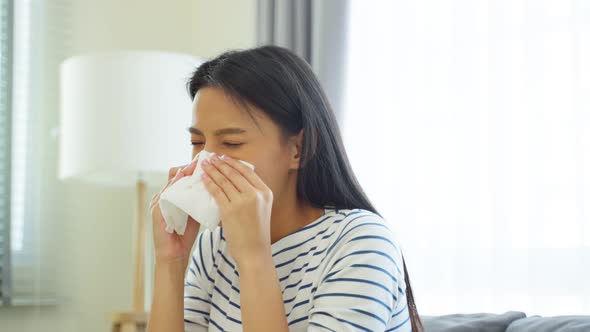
(122, 123)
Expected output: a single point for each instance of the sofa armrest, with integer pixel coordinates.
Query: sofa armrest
(551, 324)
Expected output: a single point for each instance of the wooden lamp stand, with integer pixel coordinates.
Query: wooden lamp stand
(136, 320)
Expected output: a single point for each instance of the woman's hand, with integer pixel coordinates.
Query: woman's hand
(245, 203)
(172, 247)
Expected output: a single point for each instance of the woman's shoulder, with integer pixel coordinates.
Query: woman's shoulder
(360, 221)
(365, 246)
(361, 230)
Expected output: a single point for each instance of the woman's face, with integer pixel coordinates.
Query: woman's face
(220, 125)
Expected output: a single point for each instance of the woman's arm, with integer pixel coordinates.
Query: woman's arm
(179, 304)
(261, 297)
(245, 202)
(171, 252)
(167, 304)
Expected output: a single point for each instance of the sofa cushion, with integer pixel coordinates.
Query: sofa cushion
(483, 322)
(551, 324)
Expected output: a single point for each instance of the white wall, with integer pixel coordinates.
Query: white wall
(86, 230)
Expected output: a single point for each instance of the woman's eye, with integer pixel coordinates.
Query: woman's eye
(226, 144)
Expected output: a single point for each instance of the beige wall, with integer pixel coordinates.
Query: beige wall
(199, 27)
(86, 230)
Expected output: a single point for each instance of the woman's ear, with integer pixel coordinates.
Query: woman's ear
(295, 144)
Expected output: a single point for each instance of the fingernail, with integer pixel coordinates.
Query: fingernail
(205, 162)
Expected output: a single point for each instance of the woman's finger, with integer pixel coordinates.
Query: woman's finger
(174, 174)
(173, 171)
(190, 168)
(220, 179)
(234, 176)
(215, 190)
(155, 199)
(248, 173)
(179, 174)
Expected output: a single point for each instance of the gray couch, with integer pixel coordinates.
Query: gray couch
(511, 321)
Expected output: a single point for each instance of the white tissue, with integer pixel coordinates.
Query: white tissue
(189, 196)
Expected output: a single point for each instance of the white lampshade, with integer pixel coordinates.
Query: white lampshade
(124, 114)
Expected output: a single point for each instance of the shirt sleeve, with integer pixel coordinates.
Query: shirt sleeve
(198, 283)
(363, 281)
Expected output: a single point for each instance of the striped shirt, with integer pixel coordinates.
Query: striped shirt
(341, 272)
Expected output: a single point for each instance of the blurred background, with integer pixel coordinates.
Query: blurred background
(467, 122)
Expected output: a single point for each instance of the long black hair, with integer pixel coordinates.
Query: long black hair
(285, 88)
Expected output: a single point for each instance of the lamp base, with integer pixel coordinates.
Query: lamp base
(129, 321)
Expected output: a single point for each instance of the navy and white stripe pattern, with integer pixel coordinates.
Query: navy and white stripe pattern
(342, 272)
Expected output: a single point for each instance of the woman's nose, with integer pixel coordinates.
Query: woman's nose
(208, 149)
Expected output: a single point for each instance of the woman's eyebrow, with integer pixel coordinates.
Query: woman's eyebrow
(218, 132)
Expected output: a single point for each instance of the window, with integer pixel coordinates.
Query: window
(468, 125)
(5, 101)
(22, 275)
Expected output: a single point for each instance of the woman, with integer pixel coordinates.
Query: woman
(299, 247)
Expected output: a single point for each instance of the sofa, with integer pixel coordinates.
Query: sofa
(511, 321)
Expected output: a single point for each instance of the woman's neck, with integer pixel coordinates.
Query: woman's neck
(287, 218)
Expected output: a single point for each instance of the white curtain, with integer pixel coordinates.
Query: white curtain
(468, 124)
